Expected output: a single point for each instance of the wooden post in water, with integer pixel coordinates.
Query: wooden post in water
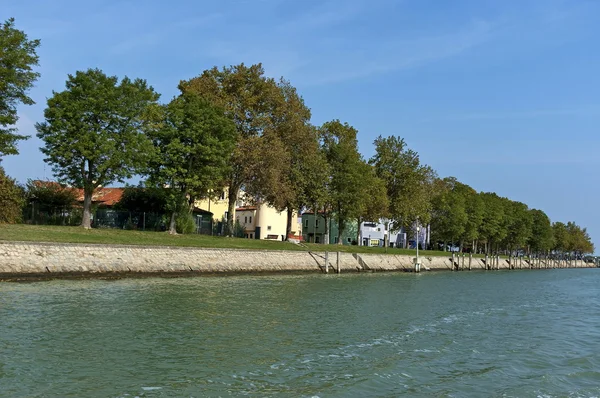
(463, 262)
(487, 263)
(339, 270)
(326, 262)
(497, 261)
(470, 260)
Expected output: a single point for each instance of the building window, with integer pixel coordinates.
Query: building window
(246, 236)
(268, 227)
(317, 239)
(222, 197)
(306, 223)
(317, 225)
(335, 240)
(245, 220)
(349, 240)
(250, 219)
(251, 236)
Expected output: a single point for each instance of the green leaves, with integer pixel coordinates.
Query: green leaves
(449, 211)
(571, 238)
(193, 148)
(17, 58)
(11, 199)
(345, 188)
(94, 131)
(542, 237)
(409, 183)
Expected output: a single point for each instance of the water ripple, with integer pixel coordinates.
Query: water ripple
(526, 333)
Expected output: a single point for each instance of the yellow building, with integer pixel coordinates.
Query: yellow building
(264, 222)
(218, 207)
(259, 221)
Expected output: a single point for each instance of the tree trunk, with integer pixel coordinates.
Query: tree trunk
(172, 224)
(231, 202)
(326, 237)
(87, 208)
(288, 226)
(358, 238)
(340, 230)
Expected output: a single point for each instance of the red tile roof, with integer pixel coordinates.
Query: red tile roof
(103, 196)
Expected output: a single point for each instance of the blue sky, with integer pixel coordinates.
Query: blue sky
(504, 95)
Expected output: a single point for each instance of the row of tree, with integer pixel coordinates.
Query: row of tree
(235, 127)
(461, 216)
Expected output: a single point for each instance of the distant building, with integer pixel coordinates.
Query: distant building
(375, 233)
(259, 220)
(263, 222)
(313, 230)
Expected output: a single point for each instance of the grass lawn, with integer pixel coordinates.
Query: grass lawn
(51, 233)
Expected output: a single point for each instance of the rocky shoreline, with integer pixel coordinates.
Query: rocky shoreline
(38, 260)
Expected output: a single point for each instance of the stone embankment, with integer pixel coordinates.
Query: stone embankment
(46, 260)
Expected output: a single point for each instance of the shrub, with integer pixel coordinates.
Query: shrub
(12, 199)
(185, 223)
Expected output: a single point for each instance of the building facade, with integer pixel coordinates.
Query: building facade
(314, 228)
(258, 220)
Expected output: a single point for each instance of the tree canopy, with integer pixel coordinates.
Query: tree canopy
(250, 100)
(17, 58)
(94, 131)
(409, 183)
(11, 199)
(194, 147)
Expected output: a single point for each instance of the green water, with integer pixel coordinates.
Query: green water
(468, 334)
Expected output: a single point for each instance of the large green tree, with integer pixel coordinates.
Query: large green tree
(519, 222)
(249, 99)
(474, 210)
(561, 237)
(345, 186)
(542, 238)
(493, 227)
(193, 151)
(409, 183)
(372, 202)
(449, 215)
(94, 131)
(17, 58)
(285, 158)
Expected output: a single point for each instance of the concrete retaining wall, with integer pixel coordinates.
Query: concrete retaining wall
(55, 259)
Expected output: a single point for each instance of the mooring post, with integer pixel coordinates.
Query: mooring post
(470, 260)
(338, 263)
(462, 266)
(497, 261)
(487, 263)
(452, 261)
(326, 262)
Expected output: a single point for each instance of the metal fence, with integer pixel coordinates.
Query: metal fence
(52, 215)
(109, 218)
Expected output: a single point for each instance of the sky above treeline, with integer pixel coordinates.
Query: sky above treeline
(503, 95)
